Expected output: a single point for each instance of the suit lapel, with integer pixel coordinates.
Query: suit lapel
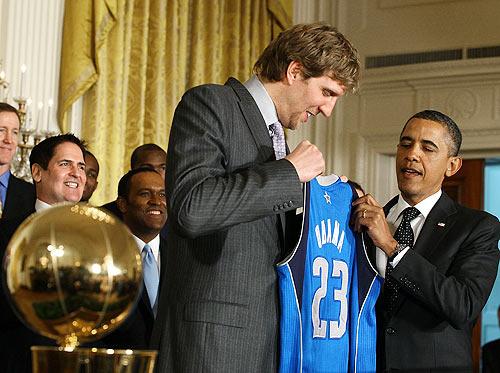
(432, 233)
(254, 120)
(370, 246)
(20, 199)
(439, 221)
(144, 302)
(390, 204)
(260, 134)
(163, 261)
(13, 194)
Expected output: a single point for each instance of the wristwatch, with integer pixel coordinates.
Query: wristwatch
(397, 250)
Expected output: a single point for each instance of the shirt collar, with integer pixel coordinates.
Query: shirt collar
(4, 179)
(424, 206)
(262, 99)
(40, 205)
(154, 244)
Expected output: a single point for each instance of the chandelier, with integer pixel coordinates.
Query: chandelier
(30, 134)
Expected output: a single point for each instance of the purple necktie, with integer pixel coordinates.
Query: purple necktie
(278, 137)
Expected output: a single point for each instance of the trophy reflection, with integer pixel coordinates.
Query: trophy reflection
(74, 274)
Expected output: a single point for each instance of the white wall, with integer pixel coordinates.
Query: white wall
(388, 26)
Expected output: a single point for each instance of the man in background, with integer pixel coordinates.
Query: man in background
(141, 200)
(92, 172)
(147, 155)
(442, 261)
(58, 171)
(17, 196)
(230, 184)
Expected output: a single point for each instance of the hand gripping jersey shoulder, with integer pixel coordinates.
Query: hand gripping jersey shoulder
(328, 288)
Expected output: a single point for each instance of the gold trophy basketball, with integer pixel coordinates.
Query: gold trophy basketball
(74, 274)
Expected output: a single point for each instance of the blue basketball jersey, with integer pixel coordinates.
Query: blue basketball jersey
(328, 288)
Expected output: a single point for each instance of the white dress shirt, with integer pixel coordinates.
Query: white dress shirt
(40, 205)
(155, 247)
(262, 99)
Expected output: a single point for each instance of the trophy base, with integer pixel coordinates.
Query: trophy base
(91, 360)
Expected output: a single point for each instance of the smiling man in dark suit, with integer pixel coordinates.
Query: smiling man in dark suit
(141, 200)
(232, 193)
(440, 265)
(58, 170)
(146, 155)
(17, 196)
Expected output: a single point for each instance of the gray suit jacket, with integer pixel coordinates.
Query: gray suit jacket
(445, 281)
(227, 198)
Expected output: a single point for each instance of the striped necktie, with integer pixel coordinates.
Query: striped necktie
(278, 137)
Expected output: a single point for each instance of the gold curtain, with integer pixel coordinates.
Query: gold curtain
(132, 61)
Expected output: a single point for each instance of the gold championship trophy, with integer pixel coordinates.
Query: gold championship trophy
(74, 274)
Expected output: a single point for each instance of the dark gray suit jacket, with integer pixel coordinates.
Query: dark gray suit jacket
(227, 195)
(445, 281)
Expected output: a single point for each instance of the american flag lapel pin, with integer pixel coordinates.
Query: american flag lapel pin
(441, 224)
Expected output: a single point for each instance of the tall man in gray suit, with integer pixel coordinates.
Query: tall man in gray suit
(232, 191)
(439, 274)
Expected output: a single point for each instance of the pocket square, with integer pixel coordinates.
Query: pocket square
(441, 224)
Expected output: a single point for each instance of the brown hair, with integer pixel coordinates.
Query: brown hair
(320, 49)
(5, 107)
(43, 152)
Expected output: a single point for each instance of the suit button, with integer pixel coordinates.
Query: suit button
(390, 331)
